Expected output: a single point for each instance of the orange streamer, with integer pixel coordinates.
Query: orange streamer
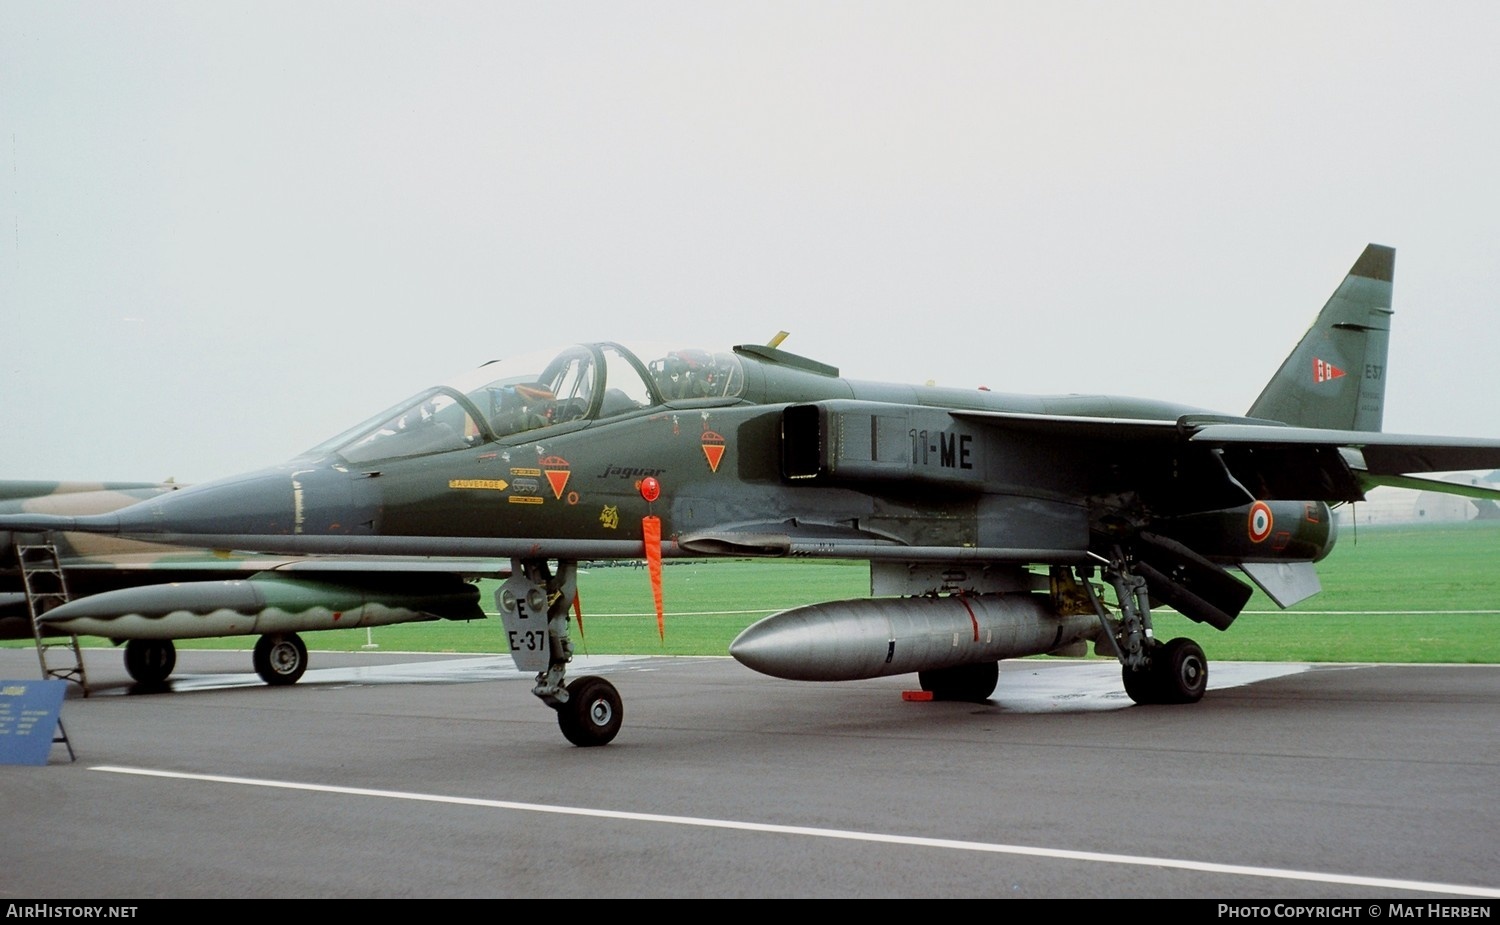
(651, 533)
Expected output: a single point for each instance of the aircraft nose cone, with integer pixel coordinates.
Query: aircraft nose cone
(275, 502)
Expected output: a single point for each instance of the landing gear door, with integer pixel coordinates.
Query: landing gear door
(523, 609)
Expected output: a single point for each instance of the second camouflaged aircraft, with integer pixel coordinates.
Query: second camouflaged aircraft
(985, 517)
(195, 593)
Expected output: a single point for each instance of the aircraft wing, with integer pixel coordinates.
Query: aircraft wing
(1326, 464)
(1376, 458)
(210, 565)
(802, 539)
(1382, 454)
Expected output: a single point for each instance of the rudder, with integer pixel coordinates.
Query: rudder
(1335, 377)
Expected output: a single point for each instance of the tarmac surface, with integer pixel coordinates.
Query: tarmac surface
(422, 776)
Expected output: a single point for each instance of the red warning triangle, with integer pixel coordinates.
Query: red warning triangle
(713, 449)
(557, 472)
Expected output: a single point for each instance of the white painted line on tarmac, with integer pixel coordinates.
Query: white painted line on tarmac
(1371, 613)
(839, 834)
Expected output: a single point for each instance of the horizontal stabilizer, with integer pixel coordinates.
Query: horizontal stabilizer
(1416, 483)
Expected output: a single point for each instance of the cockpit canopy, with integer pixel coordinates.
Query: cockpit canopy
(503, 398)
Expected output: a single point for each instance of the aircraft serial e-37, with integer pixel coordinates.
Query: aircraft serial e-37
(996, 526)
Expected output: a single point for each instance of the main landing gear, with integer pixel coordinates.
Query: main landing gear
(533, 604)
(1176, 672)
(1153, 672)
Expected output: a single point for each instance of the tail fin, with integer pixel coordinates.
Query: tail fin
(1335, 377)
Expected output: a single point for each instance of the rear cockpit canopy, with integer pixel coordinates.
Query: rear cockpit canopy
(504, 398)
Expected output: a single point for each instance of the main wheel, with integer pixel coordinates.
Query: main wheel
(150, 661)
(1143, 686)
(280, 658)
(1181, 670)
(592, 714)
(969, 683)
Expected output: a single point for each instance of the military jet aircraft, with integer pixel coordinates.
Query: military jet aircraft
(995, 525)
(197, 592)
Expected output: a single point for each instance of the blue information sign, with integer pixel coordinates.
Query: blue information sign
(28, 719)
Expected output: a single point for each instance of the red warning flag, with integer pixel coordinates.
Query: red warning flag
(651, 533)
(1324, 371)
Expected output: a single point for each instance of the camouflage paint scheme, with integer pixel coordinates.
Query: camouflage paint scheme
(986, 517)
(95, 563)
(133, 591)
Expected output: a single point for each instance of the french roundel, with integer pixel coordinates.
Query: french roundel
(1260, 521)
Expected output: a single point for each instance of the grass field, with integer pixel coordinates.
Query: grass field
(1428, 593)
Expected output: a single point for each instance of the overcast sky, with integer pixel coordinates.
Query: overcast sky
(232, 229)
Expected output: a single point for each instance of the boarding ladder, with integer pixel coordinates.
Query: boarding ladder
(42, 575)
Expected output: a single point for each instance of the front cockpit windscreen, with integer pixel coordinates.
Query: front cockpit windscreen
(587, 382)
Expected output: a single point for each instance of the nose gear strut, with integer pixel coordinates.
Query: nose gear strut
(534, 605)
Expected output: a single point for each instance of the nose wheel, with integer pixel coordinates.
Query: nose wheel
(592, 713)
